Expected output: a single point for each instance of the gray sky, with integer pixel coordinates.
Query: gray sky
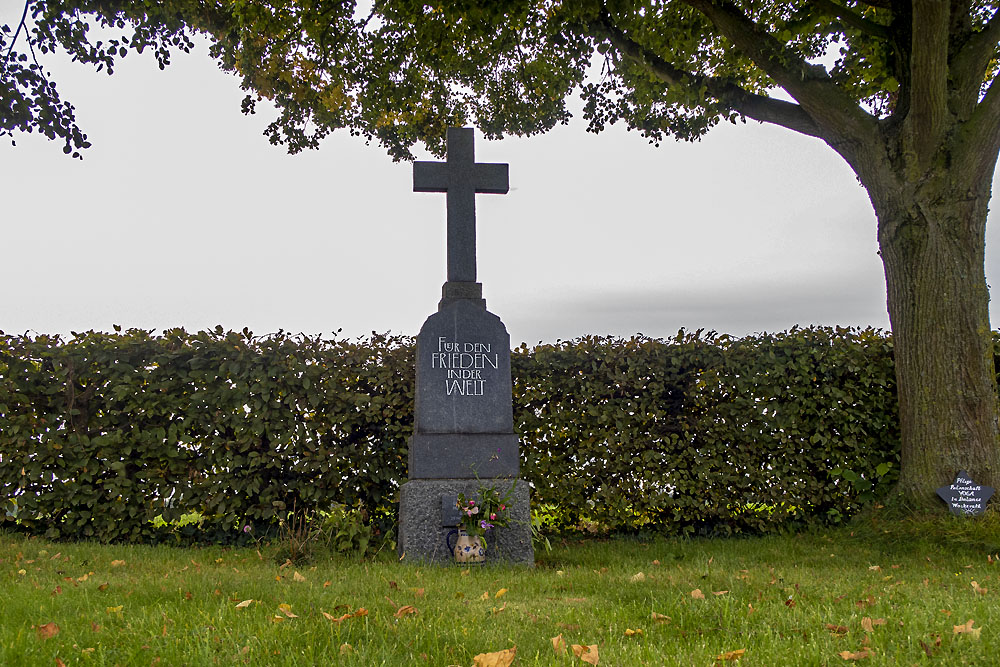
(182, 214)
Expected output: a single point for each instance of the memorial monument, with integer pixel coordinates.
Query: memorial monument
(463, 427)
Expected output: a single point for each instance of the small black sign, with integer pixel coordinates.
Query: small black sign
(965, 497)
(449, 510)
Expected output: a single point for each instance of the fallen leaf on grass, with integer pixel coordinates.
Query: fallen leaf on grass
(719, 592)
(874, 568)
(731, 655)
(245, 603)
(967, 629)
(298, 577)
(697, 594)
(286, 609)
(559, 645)
(979, 590)
(502, 607)
(927, 649)
(103, 587)
(95, 627)
(419, 592)
(485, 595)
(47, 631)
(789, 602)
(586, 653)
(860, 655)
(867, 602)
(868, 623)
(637, 577)
(660, 618)
(60, 663)
(629, 632)
(498, 659)
(57, 590)
(117, 563)
(500, 593)
(404, 610)
(346, 648)
(837, 630)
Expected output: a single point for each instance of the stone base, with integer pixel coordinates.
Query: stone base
(422, 537)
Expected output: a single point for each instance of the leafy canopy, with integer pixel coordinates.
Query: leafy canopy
(402, 71)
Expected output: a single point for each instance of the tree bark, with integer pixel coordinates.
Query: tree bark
(932, 239)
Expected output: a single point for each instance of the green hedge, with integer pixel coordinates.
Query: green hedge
(101, 433)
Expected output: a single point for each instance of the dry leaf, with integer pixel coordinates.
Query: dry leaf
(404, 610)
(485, 595)
(839, 630)
(978, 589)
(731, 655)
(629, 632)
(327, 616)
(502, 607)
(298, 577)
(245, 603)
(967, 629)
(57, 590)
(95, 627)
(60, 663)
(656, 562)
(465, 572)
(558, 645)
(660, 618)
(637, 577)
(586, 653)
(697, 594)
(103, 587)
(866, 624)
(346, 648)
(117, 563)
(47, 631)
(419, 592)
(286, 609)
(500, 593)
(719, 592)
(498, 659)
(326, 584)
(875, 568)
(860, 655)
(789, 602)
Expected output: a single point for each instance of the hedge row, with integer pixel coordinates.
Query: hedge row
(101, 433)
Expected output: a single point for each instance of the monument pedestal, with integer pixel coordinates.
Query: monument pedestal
(423, 516)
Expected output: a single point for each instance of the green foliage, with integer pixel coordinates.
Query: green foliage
(706, 433)
(118, 436)
(101, 434)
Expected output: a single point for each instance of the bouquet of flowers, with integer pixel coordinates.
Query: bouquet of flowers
(490, 510)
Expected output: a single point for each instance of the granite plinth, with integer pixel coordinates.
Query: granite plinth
(463, 456)
(423, 538)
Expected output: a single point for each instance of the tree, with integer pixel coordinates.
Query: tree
(907, 97)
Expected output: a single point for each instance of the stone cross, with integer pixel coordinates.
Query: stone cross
(461, 178)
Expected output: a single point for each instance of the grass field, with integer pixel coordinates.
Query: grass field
(875, 593)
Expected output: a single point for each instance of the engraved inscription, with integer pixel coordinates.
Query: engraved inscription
(467, 365)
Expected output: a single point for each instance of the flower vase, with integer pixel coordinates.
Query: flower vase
(469, 548)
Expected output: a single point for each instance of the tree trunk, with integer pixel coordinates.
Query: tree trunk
(932, 238)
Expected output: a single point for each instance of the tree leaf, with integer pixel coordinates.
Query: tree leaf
(558, 644)
(244, 604)
(860, 655)
(730, 656)
(697, 594)
(47, 631)
(405, 610)
(586, 653)
(498, 659)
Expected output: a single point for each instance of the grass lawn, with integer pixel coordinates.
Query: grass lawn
(875, 593)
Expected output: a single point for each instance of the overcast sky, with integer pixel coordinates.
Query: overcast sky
(182, 214)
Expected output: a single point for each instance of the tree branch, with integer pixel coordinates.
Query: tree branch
(853, 19)
(928, 76)
(20, 25)
(968, 66)
(981, 134)
(828, 106)
(758, 107)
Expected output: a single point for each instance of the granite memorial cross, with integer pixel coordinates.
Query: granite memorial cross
(463, 424)
(461, 178)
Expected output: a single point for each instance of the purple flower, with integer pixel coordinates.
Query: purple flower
(247, 528)
(484, 525)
